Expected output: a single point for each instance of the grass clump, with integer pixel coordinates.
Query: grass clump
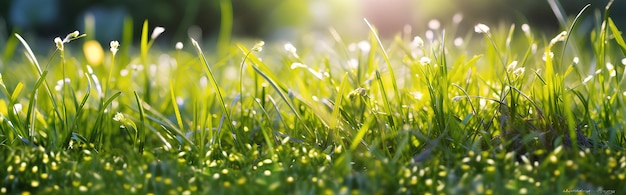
(508, 112)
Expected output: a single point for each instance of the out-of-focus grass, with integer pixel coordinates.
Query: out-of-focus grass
(502, 110)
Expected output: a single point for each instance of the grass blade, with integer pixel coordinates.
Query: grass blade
(141, 129)
(388, 62)
(213, 82)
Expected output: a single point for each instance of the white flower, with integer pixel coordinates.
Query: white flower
(424, 60)
(544, 56)
(587, 79)
(511, 66)
(118, 117)
(576, 60)
(258, 47)
(526, 29)
(519, 71)
(59, 43)
(179, 45)
(17, 107)
(298, 65)
(417, 42)
(73, 34)
(560, 37)
(291, 49)
(114, 45)
(481, 28)
(624, 61)
(156, 32)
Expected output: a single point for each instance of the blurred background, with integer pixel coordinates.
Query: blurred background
(278, 19)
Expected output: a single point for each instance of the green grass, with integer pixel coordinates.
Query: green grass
(508, 110)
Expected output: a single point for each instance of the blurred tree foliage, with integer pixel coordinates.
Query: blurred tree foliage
(258, 18)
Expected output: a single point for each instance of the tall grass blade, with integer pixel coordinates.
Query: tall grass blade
(388, 62)
(175, 105)
(213, 82)
(142, 126)
(338, 102)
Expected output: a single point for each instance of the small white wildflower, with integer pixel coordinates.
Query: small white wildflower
(114, 45)
(156, 32)
(587, 79)
(258, 47)
(526, 29)
(457, 18)
(59, 43)
(60, 84)
(511, 66)
(434, 24)
(118, 117)
(481, 28)
(291, 49)
(544, 56)
(417, 42)
(560, 37)
(519, 71)
(298, 65)
(624, 61)
(576, 60)
(17, 107)
(611, 69)
(424, 60)
(179, 45)
(72, 35)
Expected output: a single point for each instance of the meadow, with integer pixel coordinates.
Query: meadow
(501, 109)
